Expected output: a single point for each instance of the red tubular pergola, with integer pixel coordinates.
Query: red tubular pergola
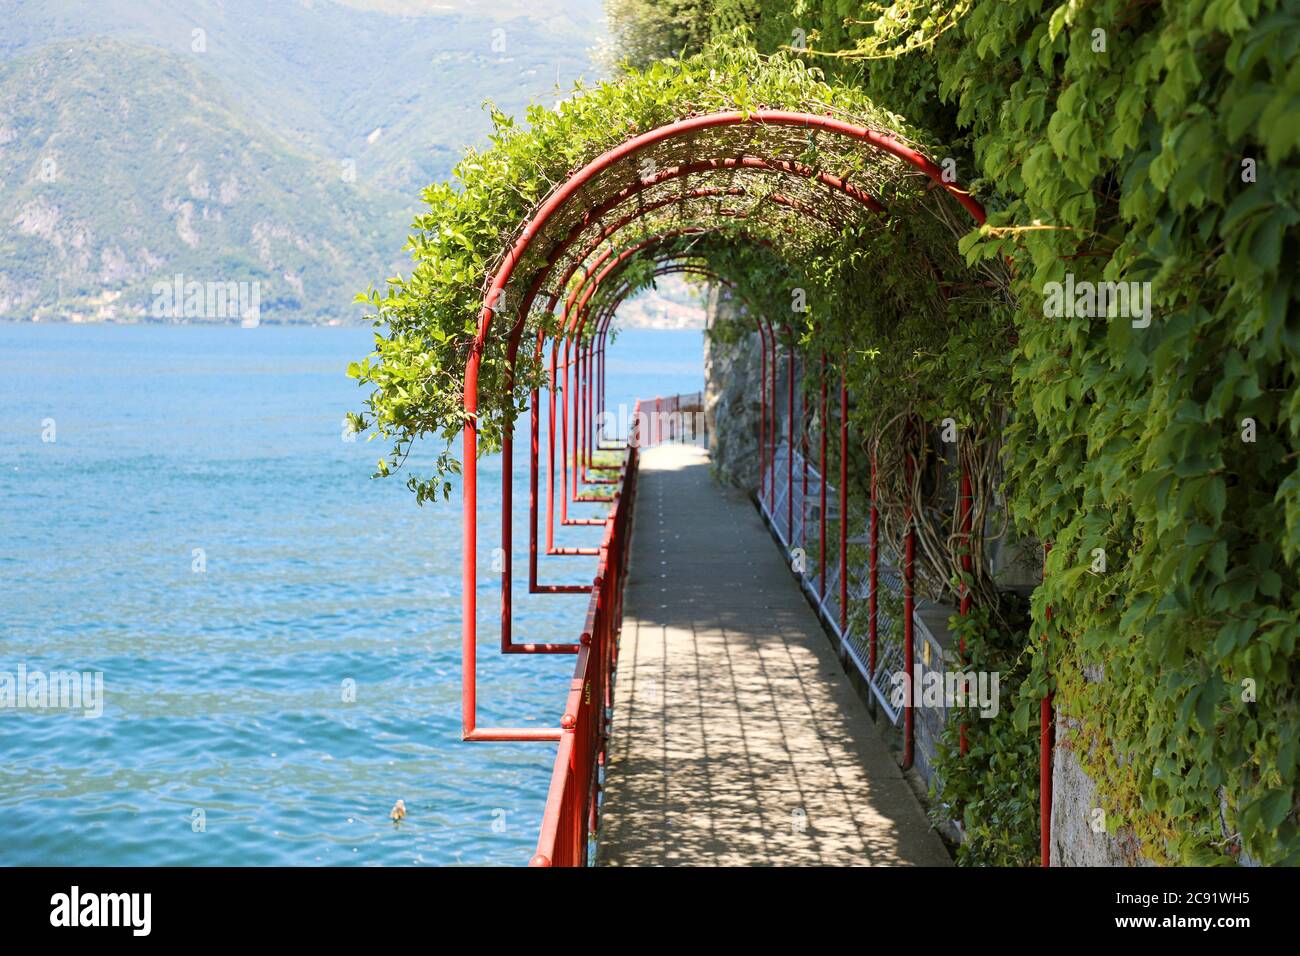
(575, 245)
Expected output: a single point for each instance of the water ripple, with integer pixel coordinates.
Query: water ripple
(226, 736)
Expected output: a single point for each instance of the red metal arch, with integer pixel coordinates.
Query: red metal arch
(516, 332)
(744, 163)
(766, 331)
(575, 331)
(534, 586)
(643, 245)
(832, 182)
(571, 325)
(574, 328)
(502, 277)
(594, 405)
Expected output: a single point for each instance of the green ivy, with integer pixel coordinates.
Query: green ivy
(1148, 142)
(992, 789)
(426, 322)
(1114, 141)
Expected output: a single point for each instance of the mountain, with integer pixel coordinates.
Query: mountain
(672, 302)
(121, 166)
(240, 141)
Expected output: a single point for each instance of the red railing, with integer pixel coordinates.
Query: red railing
(572, 801)
(675, 418)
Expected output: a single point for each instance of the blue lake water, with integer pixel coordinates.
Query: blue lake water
(224, 687)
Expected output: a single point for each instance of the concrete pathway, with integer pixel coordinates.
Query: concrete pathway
(737, 739)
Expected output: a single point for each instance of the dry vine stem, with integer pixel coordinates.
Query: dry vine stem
(939, 537)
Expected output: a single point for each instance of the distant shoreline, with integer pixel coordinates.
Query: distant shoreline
(282, 323)
(673, 324)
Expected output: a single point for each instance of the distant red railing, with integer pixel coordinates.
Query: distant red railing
(675, 418)
(572, 801)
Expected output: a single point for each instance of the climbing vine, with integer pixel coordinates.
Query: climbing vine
(1137, 142)
(1150, 440)
(427, 321)
(990, 790)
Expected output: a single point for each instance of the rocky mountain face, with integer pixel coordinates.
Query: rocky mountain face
(732, 398)
(195, 160)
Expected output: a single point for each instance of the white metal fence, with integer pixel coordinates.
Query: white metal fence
(796, 524)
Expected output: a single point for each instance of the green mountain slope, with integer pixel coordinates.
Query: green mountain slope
(395, 85)
(281, 143)
(121, 166)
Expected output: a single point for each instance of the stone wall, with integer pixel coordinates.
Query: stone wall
(732, 400)
(1080, 836)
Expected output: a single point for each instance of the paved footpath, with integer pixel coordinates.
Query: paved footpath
(737, 739)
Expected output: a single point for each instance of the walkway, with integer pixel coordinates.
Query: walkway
(737, 739)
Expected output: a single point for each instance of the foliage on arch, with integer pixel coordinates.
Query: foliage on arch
(1137, 142)
(426, 321)
(1162, 149)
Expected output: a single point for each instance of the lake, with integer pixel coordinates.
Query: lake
(199, 530)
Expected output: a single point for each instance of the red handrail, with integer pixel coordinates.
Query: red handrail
(572, 800)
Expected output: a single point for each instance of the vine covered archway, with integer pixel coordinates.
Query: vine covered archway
(777, 172)
(843, 232)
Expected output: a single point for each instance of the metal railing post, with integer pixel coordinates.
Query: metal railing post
(844, 506)
(873, 572)
(821, 502)
(1045, 748)
(967, 566)
(909, 607)
(789, 454)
